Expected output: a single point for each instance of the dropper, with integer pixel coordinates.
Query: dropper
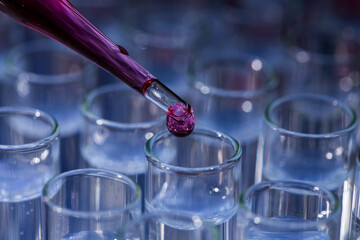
(180, 119)
(60, 20)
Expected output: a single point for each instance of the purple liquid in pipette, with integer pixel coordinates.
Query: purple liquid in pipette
(60, 20)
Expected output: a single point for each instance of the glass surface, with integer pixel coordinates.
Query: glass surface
(89, 204)
(288, 210)
(197, 175)
(153, 226)
(29, 157)
(45, 75)
(11, 35)
(324, 58)
(355, 216)
(310, 137)
(230, 92)
(118, 122)
(252, 27)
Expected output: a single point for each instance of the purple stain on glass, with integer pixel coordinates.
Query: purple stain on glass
(180, 120)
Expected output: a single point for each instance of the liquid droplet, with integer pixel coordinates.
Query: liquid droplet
(122, 50)
(180, 120)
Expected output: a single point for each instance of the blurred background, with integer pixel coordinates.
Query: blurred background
(298, 39)
(228, 59)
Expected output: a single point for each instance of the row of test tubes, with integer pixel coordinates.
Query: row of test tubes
(274, 88)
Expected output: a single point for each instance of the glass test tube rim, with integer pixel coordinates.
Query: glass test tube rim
(311, 96)
(36, 145)
(269, 222)
(44, 45)
(91, 214)
(270, 84)
(236, 158)
(89, 115)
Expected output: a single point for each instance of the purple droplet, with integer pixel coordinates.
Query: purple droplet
(180, 120)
